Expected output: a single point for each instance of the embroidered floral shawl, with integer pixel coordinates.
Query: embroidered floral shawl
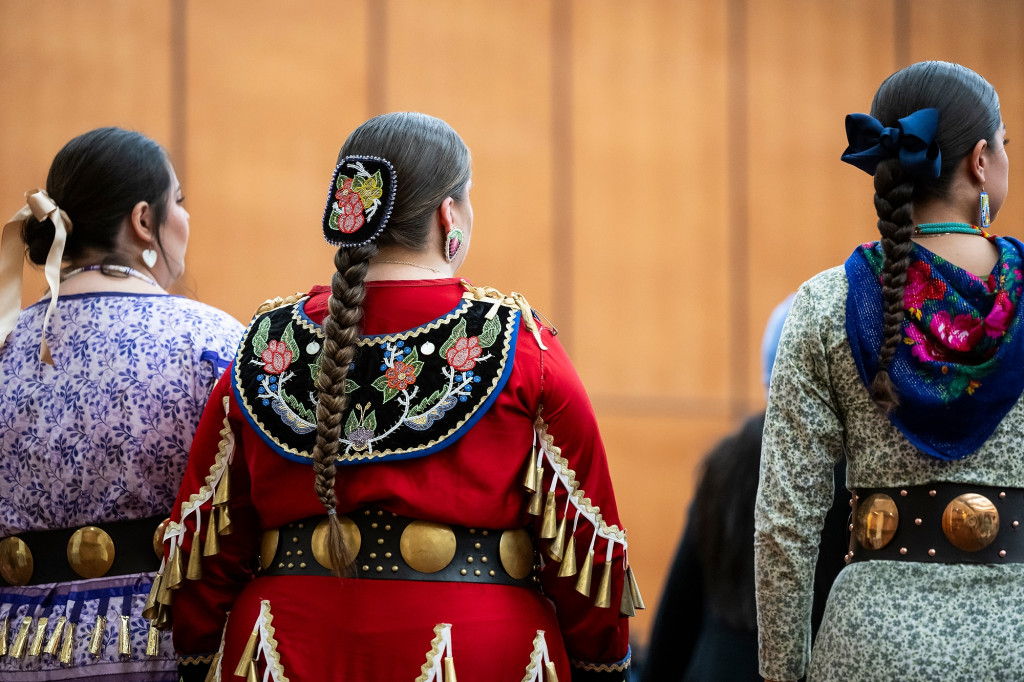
(960, 366)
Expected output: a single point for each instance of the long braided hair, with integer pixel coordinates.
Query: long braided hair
(968, 112)
(431, 163)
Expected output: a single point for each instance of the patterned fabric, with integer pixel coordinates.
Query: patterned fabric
(960, 334)
(102, 435)
(411, 394)
(884, 620)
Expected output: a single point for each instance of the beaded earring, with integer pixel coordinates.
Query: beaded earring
(452, 244)
(986, 216)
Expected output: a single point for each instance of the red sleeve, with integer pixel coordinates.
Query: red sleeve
(595, 626)
(214, 496)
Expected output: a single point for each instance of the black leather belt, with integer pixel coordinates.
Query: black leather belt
(66, 554)
(939, 523)
(393, 547)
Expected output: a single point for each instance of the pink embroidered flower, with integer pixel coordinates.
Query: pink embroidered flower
(400, 376)
(462, 356)
(960, 333)
(276, 358)
(1000, 317)
(921, 286)
(350, 206)
(922, 348)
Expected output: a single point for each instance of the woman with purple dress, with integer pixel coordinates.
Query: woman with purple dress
(101, 390)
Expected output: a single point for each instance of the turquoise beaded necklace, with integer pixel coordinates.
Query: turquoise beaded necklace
(945, 228)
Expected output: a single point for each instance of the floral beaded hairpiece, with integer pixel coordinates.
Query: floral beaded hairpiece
(359, 201)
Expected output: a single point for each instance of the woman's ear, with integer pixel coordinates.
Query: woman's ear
(445, 217)
(141, 223)
(977, 161)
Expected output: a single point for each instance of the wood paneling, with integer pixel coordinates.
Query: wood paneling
(273, 90)
(67, 67)
(808, 210)
(485, 68)
(650, 250)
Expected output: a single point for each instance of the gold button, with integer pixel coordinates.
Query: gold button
(373, 525)
(90, 552)
(476, 572)
(876, 521)
(365, 567)
(484, 533)
(490, 573)
(288, 553)
(380, 569)
(970, 522)
(349, 534)
(281, 565)
(16, 562)
(387, 555)
(380, 541)
(299, 552)
(469, 560)
(394, 569)
(380, 513)
(387, 527)
(476, 545)
(463, 572)
(302, 525)
(367, 512)
(483, 559)
(291, 565)
(295, 539)
(373, 555)
(426, 546)
(302, 565)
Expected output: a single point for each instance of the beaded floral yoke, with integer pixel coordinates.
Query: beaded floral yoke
(410, 394)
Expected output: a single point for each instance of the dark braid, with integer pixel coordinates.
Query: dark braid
(894, 193)
(341, 329)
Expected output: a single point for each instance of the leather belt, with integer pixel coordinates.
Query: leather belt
(393, 547)
(66, 554)
(939, 523)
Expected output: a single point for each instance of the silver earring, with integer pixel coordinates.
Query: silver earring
(149, 257)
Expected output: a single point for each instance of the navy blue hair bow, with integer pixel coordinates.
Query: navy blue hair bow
(913, 141)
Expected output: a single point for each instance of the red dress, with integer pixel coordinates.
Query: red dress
(316, 627)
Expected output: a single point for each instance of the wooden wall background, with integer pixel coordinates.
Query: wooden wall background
(655, 177)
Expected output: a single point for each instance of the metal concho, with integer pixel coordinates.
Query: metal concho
(876, 522)
(268, 547)
(516, 551)
(427, 546)
(15, 561)
(970, 522)
(350, 536)
(90, 552)
(158, 538)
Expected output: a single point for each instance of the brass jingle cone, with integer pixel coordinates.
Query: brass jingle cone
(53, 644)
(556, 548)
(149, 610)
(531, 481)
(212, 544)
(549, 526)
(21, 639)
(536, 507)
(586, 573)
(241, 670)
(224, 523)
(211, 674)
(568, 567)
(449, 669)
(626, 607)
(5, 630)
(176, 571)
(163, 618)
(164, 597)
(195, 560)
(153, 642)
(604, 588)
(96, 641)
(634, 589)
(124, 637)
(223, 493)
(252, 676)
(36, 647)
(67, 647)
(549, 668)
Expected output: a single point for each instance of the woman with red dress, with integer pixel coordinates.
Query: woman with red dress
(400, 477)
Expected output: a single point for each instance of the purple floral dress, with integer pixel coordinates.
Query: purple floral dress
(100, 436)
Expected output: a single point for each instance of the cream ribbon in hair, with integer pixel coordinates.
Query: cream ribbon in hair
(39, 204)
